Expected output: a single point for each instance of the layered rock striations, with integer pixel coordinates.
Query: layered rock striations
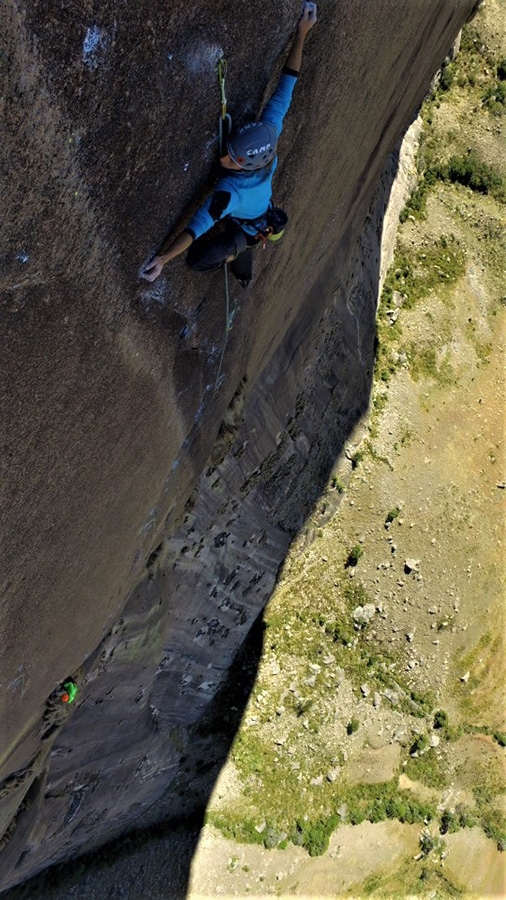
(155, 465)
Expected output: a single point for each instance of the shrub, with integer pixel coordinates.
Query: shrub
(352, 726)
(353, 556)
(440, 719)
(493, 823)
(271, 837)
(379, 802)
(237, 830)
(426, 768)
(396, 809)
(449, 822)
(392, 514)
(430, 843)
(408, 810)
(466, 819)
(470, 171)
(424, 700)
(356, 458)
(337, 485)
(447, 77)
(417, 203)
(356, 816)
(453, 732)
(342, 632)
(377, 812)
(314, 836)
(495, 98)
(473, 173)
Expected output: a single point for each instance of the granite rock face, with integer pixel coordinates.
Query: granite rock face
(155, 466)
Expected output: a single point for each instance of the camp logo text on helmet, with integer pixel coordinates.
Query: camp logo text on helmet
(254, 145)
(264, 149)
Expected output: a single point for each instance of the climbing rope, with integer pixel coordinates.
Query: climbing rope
(228, 327)
(225, 125)
(224, 129)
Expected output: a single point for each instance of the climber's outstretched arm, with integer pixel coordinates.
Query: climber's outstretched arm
(305, 24)
(212, 210)
(177, 246)
(278, 105)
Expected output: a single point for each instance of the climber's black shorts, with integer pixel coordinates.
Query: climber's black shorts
(210, 251)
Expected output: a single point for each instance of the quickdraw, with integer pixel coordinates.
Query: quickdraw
(225, 122)
(263, 236)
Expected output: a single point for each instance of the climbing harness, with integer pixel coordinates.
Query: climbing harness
(270, 227)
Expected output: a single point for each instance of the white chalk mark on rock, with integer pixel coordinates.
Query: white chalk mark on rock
(94, 46)
(204, 59)
(155, 294)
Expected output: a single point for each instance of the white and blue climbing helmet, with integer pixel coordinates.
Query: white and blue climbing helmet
(254, 145)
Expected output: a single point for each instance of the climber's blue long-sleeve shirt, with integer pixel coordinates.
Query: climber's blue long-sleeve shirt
(246, 195)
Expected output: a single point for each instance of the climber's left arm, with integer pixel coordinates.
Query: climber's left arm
(173, 249)
(212, 210)
(304, 26)
(278, 105)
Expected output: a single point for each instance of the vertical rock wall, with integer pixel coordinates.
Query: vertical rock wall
(148, 504)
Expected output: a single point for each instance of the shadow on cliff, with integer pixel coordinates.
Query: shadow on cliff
(158, 858)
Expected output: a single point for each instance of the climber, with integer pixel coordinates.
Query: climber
(68, 691)
(239, 213)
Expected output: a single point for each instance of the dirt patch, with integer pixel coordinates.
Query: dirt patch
(472, 853)
(417, 788)
(374, 766)
(478, 759)
(222, 868)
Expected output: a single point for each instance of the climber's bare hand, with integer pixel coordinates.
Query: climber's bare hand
(307, 18)
(153, 270)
